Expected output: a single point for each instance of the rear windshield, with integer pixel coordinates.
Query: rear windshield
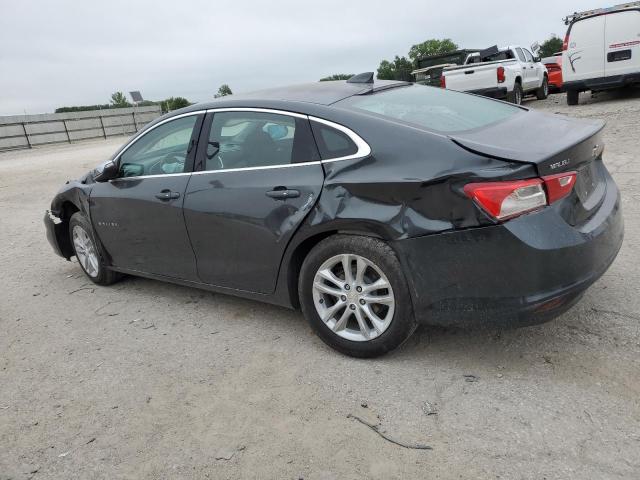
(434, 108)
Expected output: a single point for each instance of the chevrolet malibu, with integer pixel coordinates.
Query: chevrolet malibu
(373, 206)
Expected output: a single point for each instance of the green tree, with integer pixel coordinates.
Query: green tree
(337, 76)
(223, 91)
(118, 100)
(550, 46)
(432, 46)
(174, 103)
(399, 69)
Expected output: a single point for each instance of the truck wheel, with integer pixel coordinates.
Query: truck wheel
(516, 95)
(572, 97)
(543, 91)
(354, 294)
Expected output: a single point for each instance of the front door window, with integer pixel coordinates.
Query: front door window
(161, 151)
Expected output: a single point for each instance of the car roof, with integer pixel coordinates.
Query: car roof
(319, 93)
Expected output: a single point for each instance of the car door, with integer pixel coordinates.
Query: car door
(531, 75)
(622, 43)
(584, 57)
(138, 215)
(257, 176)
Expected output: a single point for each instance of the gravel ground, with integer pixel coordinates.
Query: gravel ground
(151, 380)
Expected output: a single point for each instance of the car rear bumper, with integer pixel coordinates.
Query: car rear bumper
(525, 271)
(603, 83)
(58, 235)
(493, 92)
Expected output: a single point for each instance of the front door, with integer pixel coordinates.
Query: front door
(257, 177)
(138, 216)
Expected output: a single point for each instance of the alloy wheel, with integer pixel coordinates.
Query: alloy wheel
(353, 297)
(85, 251)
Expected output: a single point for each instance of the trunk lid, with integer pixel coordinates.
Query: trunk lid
(554, 144)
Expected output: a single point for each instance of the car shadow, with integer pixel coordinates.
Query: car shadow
(485, 345)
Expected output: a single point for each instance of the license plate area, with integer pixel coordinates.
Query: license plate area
(589, 185)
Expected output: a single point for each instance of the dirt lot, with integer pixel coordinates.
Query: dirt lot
(150, 380)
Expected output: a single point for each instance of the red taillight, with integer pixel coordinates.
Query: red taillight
(565, 44)
(500, 74)
(559, 186)
(443, 81)
(504, 200)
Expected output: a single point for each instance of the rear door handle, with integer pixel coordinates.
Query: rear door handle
(167, 195)
(283, 193)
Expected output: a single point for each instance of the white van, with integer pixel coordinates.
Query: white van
(601, 50)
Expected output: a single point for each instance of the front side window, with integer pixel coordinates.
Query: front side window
(528, 55)
(161, 151)
(432, 108)
(257, 139)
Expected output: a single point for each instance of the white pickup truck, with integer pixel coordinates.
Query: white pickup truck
(506, 73)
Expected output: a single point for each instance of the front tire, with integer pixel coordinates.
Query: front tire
(355, 296)
(543, 92)
(86, 251)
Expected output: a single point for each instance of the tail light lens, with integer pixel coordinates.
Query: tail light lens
(559, 186)
(500, 74)
(443, 81)
(565, 43)
(505, 200)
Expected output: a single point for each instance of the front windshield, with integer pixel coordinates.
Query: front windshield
(436, 109)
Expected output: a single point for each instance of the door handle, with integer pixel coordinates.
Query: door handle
(283, 193)
(167, 195)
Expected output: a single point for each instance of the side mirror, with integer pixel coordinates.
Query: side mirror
(108, 172)
(536, 59)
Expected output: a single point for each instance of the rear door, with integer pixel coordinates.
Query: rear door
(258, 174)
(622, 43)
(585, 55)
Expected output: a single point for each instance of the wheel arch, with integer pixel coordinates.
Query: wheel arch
(301, 249)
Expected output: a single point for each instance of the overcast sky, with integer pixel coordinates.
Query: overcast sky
(67, 53)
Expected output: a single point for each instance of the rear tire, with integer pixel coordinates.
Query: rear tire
(543, 92)
(87, 252)
(573, 97)
(516, 95)
(360, 321)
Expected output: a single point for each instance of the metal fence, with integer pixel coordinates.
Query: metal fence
(26, 131)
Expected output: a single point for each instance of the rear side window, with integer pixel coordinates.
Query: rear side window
(433, 108)
(332, 143)
(256, 139)
(520, 55)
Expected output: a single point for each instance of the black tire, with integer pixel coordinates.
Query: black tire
(573, 97)
(402, 323)
(104, 276)
(516, 95)
(543, 92)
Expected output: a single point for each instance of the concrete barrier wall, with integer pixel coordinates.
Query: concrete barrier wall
(26, 131)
